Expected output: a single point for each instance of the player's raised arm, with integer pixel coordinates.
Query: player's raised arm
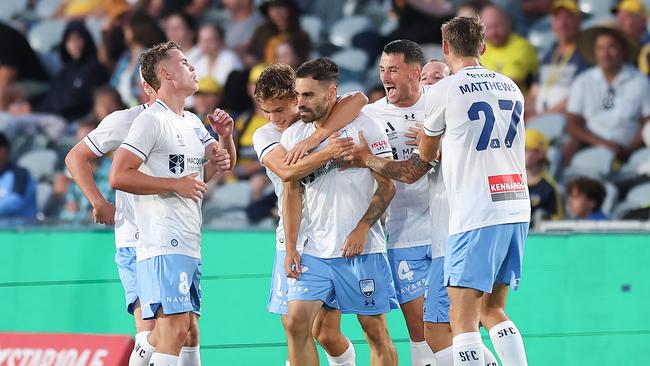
(222, 124)
(292, 215)
(78, 163)
(344, 111)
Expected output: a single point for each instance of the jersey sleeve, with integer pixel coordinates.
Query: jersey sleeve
(143, 136)
(202, 132)
(435, 108)
(264, 143)
(376, 138)
(287, 140)
(108, 135)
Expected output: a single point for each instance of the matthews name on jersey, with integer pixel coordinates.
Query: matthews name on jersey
(334, 201)
(107, 137)
(480, 113)
(170, 146)
(408, 222)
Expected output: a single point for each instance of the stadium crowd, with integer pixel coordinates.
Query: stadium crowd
(66, 64)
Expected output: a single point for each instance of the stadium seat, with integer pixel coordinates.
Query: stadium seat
(432, 51)
(389, 24)
(40, 163)
(352, 64)
(541, 35)
(43, 193)
(594, 162)
(611, 197)
(634, 162)
(597, 20)
(637, 197)
(46, 35)
(11, 8)
(45, 8)
(313, 26)
(554, 157)
(596, 7)
(551, 125)
(345, 29)
(350, 87)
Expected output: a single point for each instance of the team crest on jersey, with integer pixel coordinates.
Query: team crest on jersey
(176, 163)
(367, 287)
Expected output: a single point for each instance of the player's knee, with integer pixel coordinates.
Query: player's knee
(193, 337)
(376, 331)
(491, 311)
(177, 334)
(297, 326)
(326, 339)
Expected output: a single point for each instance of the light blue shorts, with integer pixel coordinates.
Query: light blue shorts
(482, 257)
(410, 268)
(171, 281)
(436, 300)
(361, 285)
(278, 296)
(125, 260)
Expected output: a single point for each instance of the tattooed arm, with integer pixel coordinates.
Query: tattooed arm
(356, 240)
(407, 171)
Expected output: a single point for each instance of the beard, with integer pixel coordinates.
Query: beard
(309, 115)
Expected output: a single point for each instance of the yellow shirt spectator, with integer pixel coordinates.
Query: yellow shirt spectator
(516, 59)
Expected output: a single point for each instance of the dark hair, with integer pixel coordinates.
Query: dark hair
(4, 142)
(216, 28)
(190, 22)
(465, 36)
(276, 81)
(151, 58)
(146, 31)
(591, 188)
(322, 69)
(112, 92)
(411, 51)
(89, 51)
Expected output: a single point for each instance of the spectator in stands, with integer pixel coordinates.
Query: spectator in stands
(471, 8)
(507, 52)
(15, 101)
(140, 33)
(71, 91)
(106, 100)
(181, 28)
(632, 17)
(214, 60)
(585, 197)
(160, 9)
(560, 65)
(78, 9)
(534, 10)
(545, 198)
(19, 63)
(244, 20)
(420, 20)
(17, 187)
(289, 52)
(76, 206)
(433, 71)
(283, 20)
(207, 99)
(609, 102)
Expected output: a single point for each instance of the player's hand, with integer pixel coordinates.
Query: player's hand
(221, 123)
(292, 264)
(104, 213)
(190, 187)
(219, 158)
(359, 154)
(414, 135)
(339, 147)
(354, 242)
(300, 150)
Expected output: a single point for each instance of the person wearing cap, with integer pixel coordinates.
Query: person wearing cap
(208, 98)
(560, 65)
(506, 52)
(545, 198)
(632, 17)
(609, 102)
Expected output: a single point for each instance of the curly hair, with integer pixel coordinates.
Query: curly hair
(276, 81)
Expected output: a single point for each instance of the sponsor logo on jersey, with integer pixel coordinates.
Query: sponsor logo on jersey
(176, 163)
(367, 287)
(507, 187)
(381, 145)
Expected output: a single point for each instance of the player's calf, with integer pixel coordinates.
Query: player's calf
(382, 350)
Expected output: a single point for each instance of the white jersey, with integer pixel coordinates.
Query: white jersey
(107, 137)
(170, 147)
(438, 213)
(334, 200)
(480, 112)
(265, 139)
(408, 222)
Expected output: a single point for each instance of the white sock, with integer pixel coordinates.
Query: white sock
(190, 356)
(163, 359)
(490, 360)
(468, 349)
(287, 363)
(508, 343)
(421, 354)
(142, 350)
(445, 357)
(348, 358)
